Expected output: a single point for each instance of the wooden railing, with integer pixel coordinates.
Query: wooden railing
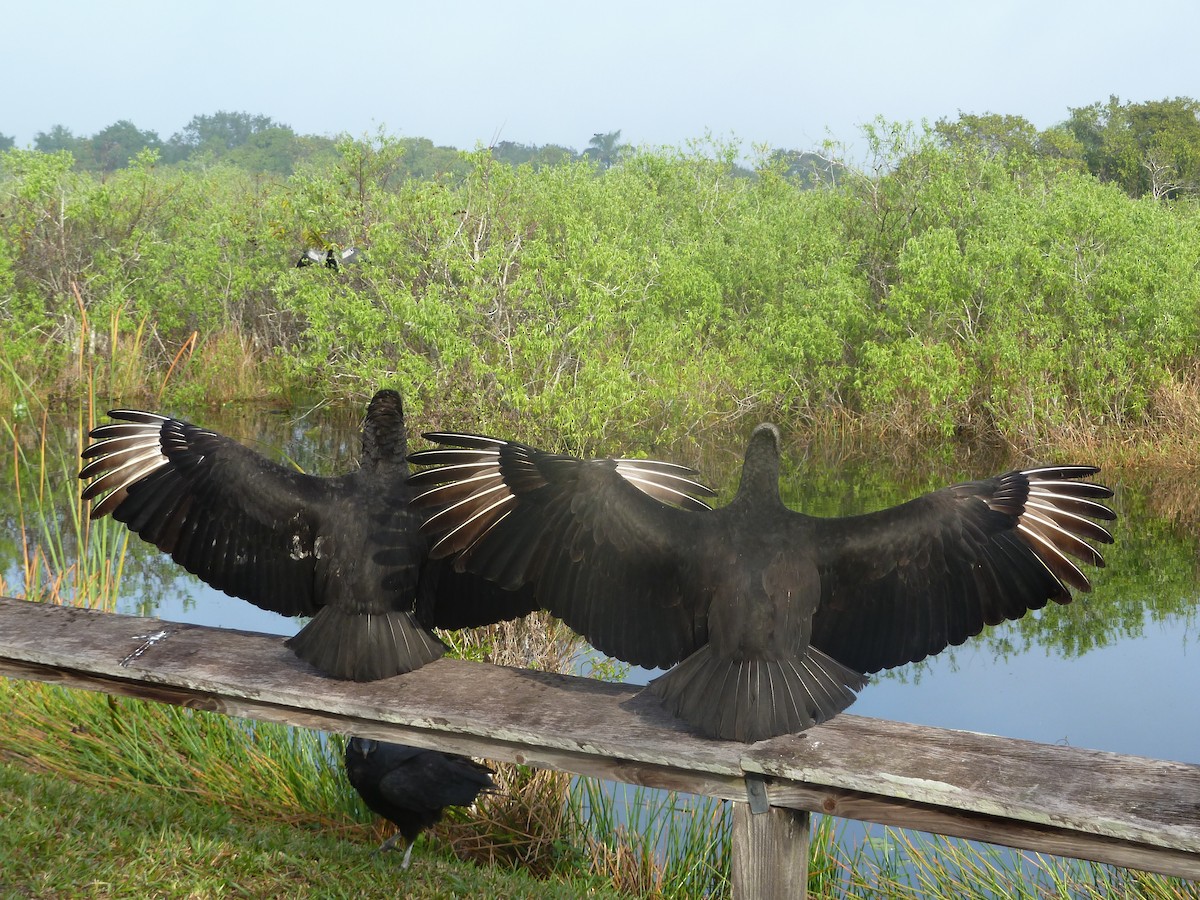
(1129, 811)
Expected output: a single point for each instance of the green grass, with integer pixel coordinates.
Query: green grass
(117, 797)
(64, 839)
(652, 842)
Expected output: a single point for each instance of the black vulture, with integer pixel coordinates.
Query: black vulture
(346, 550)
(411, 787)
(771, 618)
(330, 258)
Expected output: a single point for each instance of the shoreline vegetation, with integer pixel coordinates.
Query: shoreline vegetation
(947, 297)
(950, 291)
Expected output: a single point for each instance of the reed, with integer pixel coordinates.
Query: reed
(911, 865)
(65, 556)
(650, 842)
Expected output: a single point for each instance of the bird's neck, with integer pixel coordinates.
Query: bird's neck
(760, 470)
(384, 440)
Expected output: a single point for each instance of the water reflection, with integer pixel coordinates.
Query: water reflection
(1115, 670)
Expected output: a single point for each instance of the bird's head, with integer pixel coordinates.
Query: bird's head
(361, 747)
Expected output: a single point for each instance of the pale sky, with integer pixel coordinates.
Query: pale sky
(462, 73)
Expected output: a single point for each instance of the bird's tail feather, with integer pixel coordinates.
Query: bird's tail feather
(754, 699)
(365, 646)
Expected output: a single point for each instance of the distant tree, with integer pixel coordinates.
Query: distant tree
(59, 137)
(114, 146)
(423, 160)
(7, 142)
(999, 135)
(226, 129)
(513, 153)
(274, 150)
(316, 149)
(1167, 134)
(219, 134)
(553, 154)
(519, 154)
(1147, 148)
(605, 148)
(1059, 144)
(1086, 126)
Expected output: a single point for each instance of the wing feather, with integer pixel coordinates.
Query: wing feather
(593, 538)
(222, 511)
(906, 582)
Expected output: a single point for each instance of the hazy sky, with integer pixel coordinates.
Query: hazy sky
(784, 74)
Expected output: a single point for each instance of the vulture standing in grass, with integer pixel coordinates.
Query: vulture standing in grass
(771, 618)
(411, 787)
(347, 551)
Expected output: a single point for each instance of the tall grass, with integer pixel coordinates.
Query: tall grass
(651, 842)
(256, 769)
(65, 557)
(912, 865)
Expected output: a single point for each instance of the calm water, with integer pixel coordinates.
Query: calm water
(1116, 670)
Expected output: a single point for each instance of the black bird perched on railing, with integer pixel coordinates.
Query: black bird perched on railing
(347, 550)
(411, 787)
(330, 258)
(774, 617)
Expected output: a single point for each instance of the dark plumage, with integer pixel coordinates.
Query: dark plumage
(347, 550)
(773, 617)
(411, 787)
(329, 258)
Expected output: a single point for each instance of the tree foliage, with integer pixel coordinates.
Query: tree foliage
(807, 168)
(115, 146)
(223, 131)
(963, 284)
(606, 148)
(60, 138)
(547, 155)
(1012, 139)
(1150, 148)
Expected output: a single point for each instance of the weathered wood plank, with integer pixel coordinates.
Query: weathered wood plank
(770, 853)
(993, 829)
(1126, 810)
(1146, 801)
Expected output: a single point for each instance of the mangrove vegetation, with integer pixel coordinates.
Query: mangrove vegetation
(974, 281)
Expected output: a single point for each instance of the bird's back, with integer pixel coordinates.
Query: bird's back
(411, 786)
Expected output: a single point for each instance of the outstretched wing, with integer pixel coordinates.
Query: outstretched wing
(906, 582)
(594, 538)
(243, 524)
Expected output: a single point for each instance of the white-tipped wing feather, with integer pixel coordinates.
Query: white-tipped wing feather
(474, 485)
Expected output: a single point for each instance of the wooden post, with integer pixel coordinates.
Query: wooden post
(770, 848)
